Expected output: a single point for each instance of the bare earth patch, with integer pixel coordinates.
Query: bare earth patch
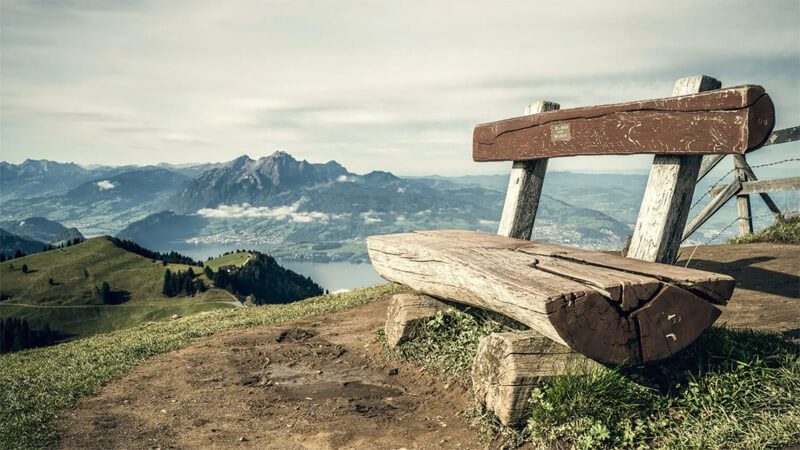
(325, 382)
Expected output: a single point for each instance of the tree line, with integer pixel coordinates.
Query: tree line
(181, 284)
(16, 334)
(261, 278)
(47, 247)
(172, 257)
(265, 280)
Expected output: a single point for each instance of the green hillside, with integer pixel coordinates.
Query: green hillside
(71, 304)
(234, 259)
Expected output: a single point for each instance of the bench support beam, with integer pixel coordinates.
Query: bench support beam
(524, 188)
(668, 196)
(745, 217)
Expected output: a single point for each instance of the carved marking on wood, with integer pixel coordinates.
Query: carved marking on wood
(733, 120)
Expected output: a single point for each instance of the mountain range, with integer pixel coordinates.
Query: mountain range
(32, 234)
(296, 209)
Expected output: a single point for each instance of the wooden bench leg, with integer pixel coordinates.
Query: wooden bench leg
(406, 313)
(524, 188)
(745, 217)
(509, 365)
(668, 196)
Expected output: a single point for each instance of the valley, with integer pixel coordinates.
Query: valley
(317, 213)
(102, 285)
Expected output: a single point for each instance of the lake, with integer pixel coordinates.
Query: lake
(334, 276)
(337, 276)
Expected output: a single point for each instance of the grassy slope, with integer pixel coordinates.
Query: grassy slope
(784, 231)
(730, 389)
(71, 306)
(38, 386)
(234, 259)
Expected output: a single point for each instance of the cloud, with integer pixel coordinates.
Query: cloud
(241, 76)
(370, 217)
(105, 185)
(245, 210)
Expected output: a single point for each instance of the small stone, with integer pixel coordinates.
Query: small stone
(309, 398)
(393, 372)
(319, 372)
(242, 439)
(163, 411)
(175, 317)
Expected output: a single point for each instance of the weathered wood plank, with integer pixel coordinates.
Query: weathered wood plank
(713, 287)
(712, 207)
(764, 196)
(732, 120)
(761, 186)
(709, 162)
(524, 188)
(744, 215)
(664, 325)
(509, 365)
(406, 313)
(668, 195)
(545, 287)
(783, 136)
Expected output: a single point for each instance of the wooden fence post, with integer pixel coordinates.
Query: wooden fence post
(668, 196)
(745, 218)
(524, 188)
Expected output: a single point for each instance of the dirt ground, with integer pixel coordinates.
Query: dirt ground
(325, 382)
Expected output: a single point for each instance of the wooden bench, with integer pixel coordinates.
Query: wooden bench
(610, 308)
(591, 306)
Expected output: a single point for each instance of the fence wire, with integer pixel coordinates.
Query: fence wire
(708, 191)
(719, 233)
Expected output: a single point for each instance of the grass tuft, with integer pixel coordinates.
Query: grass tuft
(449, 341)
(729, 389)
(786, 230)
(39, 386)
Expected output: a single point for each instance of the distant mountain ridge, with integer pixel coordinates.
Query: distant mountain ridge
(287, 206)
(42, 230)
(245, 180)
(11, 244)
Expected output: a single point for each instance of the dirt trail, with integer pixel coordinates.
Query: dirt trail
(325, 382)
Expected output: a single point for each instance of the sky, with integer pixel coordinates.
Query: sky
(375, 85)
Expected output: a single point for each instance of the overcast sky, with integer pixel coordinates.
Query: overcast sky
(375, 85)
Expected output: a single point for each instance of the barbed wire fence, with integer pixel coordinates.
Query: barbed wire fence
(716, 183)
(724, 229)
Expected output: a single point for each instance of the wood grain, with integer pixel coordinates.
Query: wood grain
(744, 214)
(668, 195)
(732, 120)
(580, 299)
(757, 187)
(524, 188)
(406, 313)
(509, 365)
(712, 207)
